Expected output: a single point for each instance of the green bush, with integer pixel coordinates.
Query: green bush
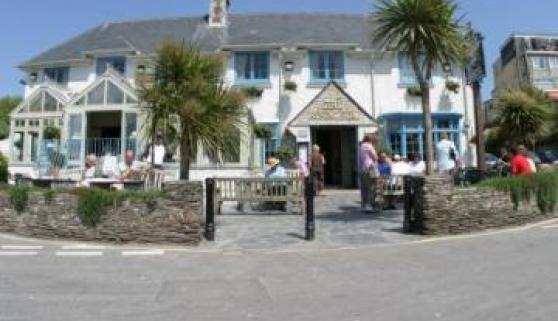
(51, 132)
(18, 197)
(290, 86)
(543, 186)
(48, 195)
(92, 204)
(4, 173)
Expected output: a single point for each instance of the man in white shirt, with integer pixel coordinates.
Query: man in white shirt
(399, 167)
(157, 152)
(447, 155)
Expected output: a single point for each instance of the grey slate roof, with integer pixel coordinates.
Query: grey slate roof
(281, 29)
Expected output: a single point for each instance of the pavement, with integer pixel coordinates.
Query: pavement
(507, 275)
(340, 223)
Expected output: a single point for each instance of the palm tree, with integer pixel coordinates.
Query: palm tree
(428, 32)
(523, 115)
(188, 85)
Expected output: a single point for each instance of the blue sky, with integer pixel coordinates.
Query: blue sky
(31, 26)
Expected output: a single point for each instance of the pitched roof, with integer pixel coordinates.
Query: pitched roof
(282, 29)
(332, 106)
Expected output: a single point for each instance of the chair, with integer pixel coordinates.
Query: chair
(153, 180)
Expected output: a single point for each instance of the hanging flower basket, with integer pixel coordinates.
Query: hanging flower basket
(452, 86)
(253, 92)
(414, 92)
(262, 132)
(290, 86)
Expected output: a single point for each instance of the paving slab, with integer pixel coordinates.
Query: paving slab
(340, 223)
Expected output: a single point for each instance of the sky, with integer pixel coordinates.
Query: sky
(28, 27)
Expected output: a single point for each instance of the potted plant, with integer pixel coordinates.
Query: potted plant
(51, 133)
(290, 85)
(252, 91)
(414, 92)
(452, 86)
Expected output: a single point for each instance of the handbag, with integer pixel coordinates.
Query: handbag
(373, 173)
(452, 154)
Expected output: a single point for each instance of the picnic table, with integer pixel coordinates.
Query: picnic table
(53, 182)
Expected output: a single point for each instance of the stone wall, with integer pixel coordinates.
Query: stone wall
(445, 209)
(175, 218)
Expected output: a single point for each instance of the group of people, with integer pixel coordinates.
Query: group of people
(375, 168)
(129, 168)
(516, 162)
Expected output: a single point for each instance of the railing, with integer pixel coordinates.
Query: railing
(56, 155)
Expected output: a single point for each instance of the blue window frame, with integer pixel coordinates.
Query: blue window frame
(271, 146)
(59, 75)
(251, 67)
(327, 65)
(405, 134)
(407, 76)
(117, 63)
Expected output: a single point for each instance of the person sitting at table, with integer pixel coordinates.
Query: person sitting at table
(90, 167)
(129, 168)
(275, 170)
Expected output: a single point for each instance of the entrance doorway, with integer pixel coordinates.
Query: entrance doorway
(339, 146)
(104, 131)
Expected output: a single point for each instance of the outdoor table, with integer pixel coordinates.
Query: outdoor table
(53, 182)
(107, 183)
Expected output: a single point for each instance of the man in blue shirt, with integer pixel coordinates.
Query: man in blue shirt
(384, 165)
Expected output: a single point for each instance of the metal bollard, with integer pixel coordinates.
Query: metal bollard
(310, 217)
(210, 209)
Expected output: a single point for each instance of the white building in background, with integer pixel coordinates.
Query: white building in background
(345, 88)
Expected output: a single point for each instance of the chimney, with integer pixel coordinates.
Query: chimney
(218, 13)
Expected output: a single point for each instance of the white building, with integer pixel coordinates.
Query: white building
(345, 88)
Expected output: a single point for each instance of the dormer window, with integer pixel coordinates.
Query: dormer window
(327, 65)
(116, 63)
(58, 75)
(251, 67)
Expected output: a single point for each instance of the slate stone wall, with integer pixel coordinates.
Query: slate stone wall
(175, 218)
(445, 209)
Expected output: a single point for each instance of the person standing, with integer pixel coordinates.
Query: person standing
(418, 167)
(317, 163)
(447, 155)
(504, 162)
(368, 171)
(519, 164)
(156, 153)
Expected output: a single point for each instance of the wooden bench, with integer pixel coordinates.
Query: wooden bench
(288, 190)
(393, 186)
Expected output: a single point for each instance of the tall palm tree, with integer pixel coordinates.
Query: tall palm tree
(188, 85)
(430, 34)
(523, 115)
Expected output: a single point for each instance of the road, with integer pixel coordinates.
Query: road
(511, 276)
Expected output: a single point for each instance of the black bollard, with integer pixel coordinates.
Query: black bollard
(408, 197)
(210, 209)
(309, 195)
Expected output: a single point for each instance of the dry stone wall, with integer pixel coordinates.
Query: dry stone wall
(446, 209)
(174, 218)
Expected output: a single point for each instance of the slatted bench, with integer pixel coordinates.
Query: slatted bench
(244, 190)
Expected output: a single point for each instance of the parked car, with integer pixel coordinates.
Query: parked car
(548, 156)
(491, 160)
(534, 157)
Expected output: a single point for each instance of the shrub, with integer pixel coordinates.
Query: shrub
(48, 195)
(18, 197)
(543, 186)
(285, 154)
(91, 205)
(4, 173)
